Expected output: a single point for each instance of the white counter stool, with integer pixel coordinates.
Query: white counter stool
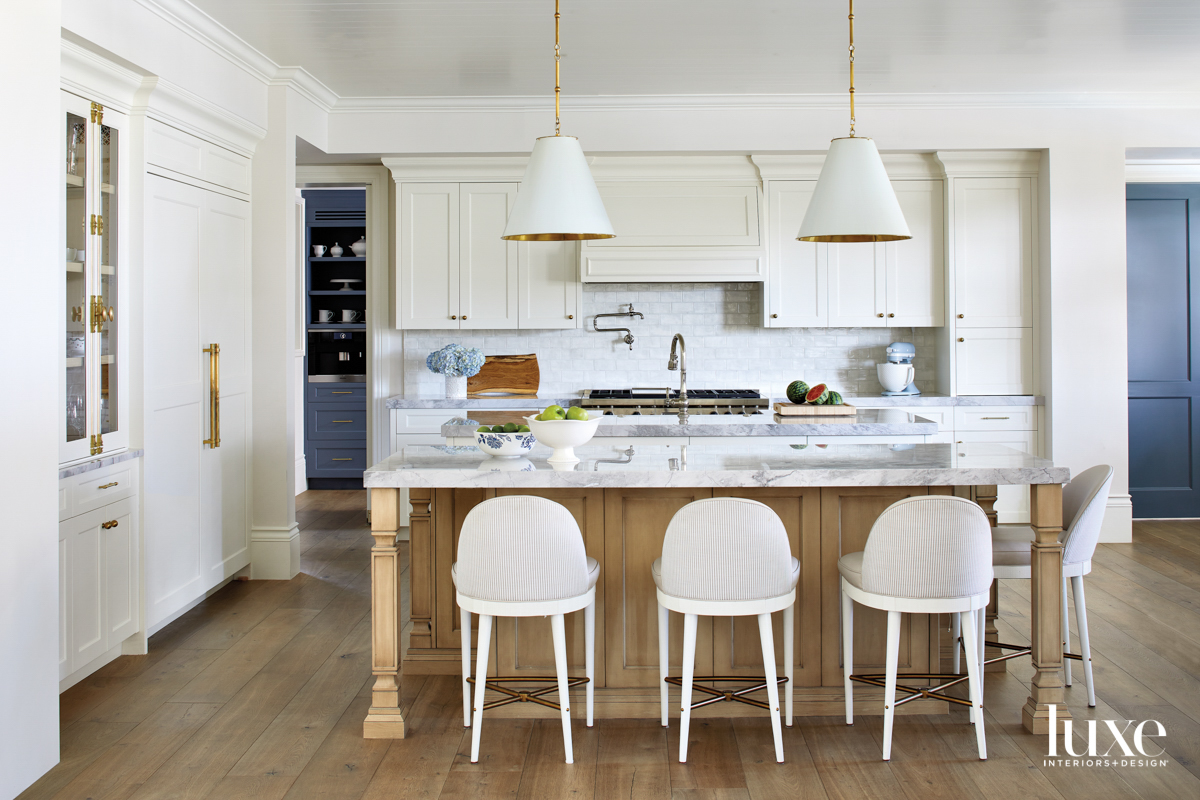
(1084, 500)
(726, 557)
(524, 556)
(924, 555)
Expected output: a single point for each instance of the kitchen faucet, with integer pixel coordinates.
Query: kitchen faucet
(680, 363)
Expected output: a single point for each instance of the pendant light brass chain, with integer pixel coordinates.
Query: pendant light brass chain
(557, 81)
(851, 68)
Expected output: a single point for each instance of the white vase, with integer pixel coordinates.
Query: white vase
(456, 386)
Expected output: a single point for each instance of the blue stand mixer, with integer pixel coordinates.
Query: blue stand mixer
(896, 376)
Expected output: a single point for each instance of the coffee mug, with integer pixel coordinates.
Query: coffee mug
(350, 315)
(324, 316)
(318, 250)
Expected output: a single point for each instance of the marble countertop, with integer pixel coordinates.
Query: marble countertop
(930, 399)
(768, 464)
(868, 422)
(565, 399)
(489, 401)
(98, 463)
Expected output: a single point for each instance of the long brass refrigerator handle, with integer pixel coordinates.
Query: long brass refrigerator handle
(214, 395)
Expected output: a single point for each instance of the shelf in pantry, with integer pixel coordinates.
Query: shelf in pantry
(75, 181)
(339, 292)
(337, 326)
(77, 266)
(108, 188)
(77, 361)
(322, 259)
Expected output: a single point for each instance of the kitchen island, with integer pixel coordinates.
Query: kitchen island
(828, 498)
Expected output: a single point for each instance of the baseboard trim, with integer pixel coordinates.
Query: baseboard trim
(274, 552)
(301, 475)
(1118, 520)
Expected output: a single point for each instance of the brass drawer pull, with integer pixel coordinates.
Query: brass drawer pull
(350, 420)
(891, 315)
(993, 417)
(341, 392)
(341, 459)
(107, 485)
(112, 523)
(214, 396)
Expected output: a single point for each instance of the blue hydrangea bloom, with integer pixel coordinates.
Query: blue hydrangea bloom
(454, 359)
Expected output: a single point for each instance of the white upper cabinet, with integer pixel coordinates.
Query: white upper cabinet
(994, 361)
(857, 286)
(797, 288)
(429, 243)
(690, 214)
(548, 280)
(993, 252)
(487, 264)
(916, 267)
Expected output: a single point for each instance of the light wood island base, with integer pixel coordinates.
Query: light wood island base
(623, 529)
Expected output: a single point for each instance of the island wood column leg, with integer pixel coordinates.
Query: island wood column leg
(1045, 621)
(384, 718)
(986, 496)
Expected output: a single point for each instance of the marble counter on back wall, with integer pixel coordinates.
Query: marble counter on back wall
(98, 463)
(492, 401)
(866, 401)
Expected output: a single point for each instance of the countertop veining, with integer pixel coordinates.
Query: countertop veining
(99, 463)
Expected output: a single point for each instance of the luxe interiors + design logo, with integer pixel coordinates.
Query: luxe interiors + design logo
(1134, 748)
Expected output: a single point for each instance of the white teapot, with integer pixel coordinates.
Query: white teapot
(360, 247)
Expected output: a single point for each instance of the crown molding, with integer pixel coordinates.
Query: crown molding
(455, 168)
(720, 102)
(899, 166)
(180, 108)
(990, 163)
(710, 169)
(303, 82)
(96, 78)
(213, 35)
(1175, 171)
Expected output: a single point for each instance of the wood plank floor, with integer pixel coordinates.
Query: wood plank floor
(260, 692)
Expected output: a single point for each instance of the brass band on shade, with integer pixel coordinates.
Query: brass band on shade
(857, 237)
(557, 237)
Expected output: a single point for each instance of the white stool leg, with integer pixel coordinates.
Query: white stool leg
(689, 670)
(664, 663)
(974, 677)
(560, 667)
(980, 622)
(1085, 645)
(466, 666)
(889, 692)
(767, 637)
(1066, 634)
(789, 656)
(589, 650)
(956, 637)
(481, 664)
(848, 654)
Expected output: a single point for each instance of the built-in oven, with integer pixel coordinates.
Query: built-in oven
(337, 356)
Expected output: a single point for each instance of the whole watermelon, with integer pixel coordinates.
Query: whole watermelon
(834, 399)
(817, 395)
(796, 391)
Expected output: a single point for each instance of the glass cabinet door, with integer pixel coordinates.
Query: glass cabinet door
(91, 377)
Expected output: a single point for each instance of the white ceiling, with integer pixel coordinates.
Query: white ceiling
(407, 48)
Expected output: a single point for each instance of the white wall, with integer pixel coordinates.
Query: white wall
(31, 265)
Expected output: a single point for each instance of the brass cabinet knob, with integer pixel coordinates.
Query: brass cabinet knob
(454, 316)
(774, 316)
(961, 339)
(570, 316)
(880, 314)
(891, 315)
(464, 316)
(962, 316)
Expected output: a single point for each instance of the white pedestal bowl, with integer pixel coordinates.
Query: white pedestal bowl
(564, 435)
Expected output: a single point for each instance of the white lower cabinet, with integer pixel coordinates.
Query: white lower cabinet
(1014, 427)
(994, 361)
(99, 581)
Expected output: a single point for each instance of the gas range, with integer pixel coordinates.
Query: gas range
(661, 400)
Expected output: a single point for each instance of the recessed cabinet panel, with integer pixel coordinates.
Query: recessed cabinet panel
(429, 244)
(84, 545)
(663, 214)
(119, 554)
(993, 252)
(487, 264)
(994, 361)
(856, 285)
(916, 267)
(550, 290)
(798, 295)
(64, 604)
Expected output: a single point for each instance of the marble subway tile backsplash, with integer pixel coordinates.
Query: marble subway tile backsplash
(726, 345)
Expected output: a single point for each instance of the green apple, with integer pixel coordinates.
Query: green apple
(553, 412)
(577, 413)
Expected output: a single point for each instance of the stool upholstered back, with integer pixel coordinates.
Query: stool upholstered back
(1084, 501)
(726, 549)
(929, 547)
(521, 549)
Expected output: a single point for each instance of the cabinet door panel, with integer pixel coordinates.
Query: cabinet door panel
(487, 264)
(993, 252)
(635, 522)
(798, 296)
(428, 290)
(120, 561)
(856, 285)
(85, 563)
(548, 276)
(916, 267)
(994, 361)
(64, 603)
(847, 515)
(1012, 502)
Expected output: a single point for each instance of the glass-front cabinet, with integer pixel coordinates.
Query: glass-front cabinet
(92, 378)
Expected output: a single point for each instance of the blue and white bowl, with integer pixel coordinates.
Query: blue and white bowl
(504, 445)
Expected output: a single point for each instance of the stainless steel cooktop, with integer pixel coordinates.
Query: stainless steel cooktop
(657, 400)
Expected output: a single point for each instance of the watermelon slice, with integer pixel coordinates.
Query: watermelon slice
(796, 391)
(817, 394)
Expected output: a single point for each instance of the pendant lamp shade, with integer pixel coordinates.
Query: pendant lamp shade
(558, 200)
(854, 200)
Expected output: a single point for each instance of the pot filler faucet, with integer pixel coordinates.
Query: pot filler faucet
(680, 363)
(628, 338)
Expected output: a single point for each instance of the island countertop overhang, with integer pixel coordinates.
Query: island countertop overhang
(768, 465)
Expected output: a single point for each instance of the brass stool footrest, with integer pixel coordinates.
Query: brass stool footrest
(759, 681)
(919, 692)
(1018, 651)
(526, 697)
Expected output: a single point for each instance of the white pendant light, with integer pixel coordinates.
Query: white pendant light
(854, 200)
(558, 200)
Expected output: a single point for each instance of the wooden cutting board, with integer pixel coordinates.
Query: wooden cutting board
(794, 410)
(517, 375)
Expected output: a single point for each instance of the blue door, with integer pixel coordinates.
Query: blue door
(1163, 244)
